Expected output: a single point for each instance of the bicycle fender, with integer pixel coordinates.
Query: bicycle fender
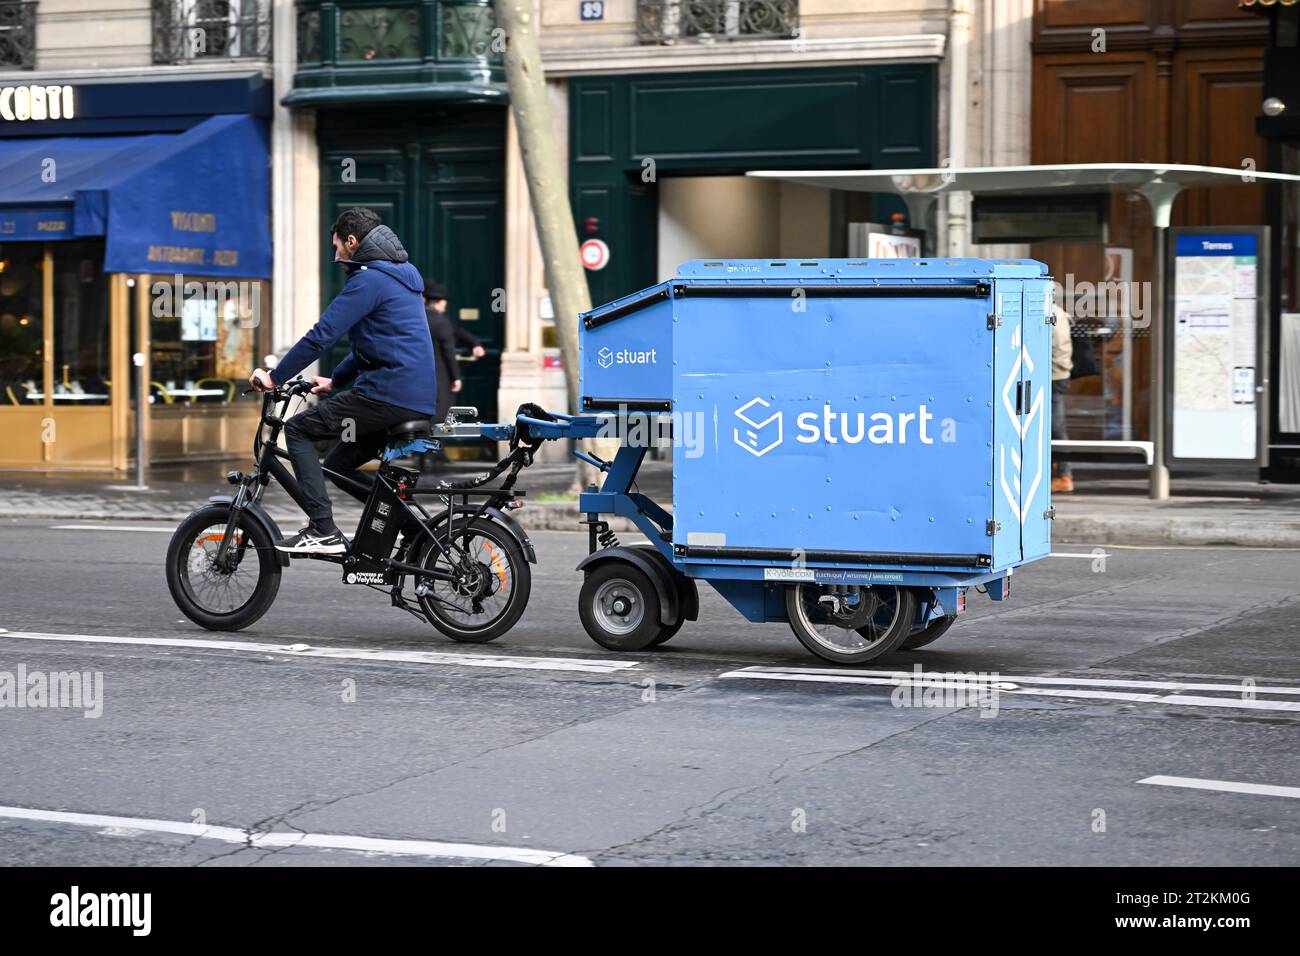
(639, 559)
(258, 514)
(506, 521)
(515, 528)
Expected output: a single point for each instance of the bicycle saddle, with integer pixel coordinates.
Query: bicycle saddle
(416, 428)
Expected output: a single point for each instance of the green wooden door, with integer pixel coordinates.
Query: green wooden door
(440, 185)
(464, 220)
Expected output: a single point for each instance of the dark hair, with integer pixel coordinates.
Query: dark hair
(355, 221)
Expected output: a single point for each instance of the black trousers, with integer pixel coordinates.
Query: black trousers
(360, 422)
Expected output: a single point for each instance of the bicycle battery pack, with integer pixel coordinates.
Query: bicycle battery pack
(381, 520)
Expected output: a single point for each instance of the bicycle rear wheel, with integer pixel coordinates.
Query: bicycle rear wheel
(492, 586)
(229, 597)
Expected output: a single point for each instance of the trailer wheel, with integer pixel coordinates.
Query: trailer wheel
(928, 634)
(619, 607)
(834, 633)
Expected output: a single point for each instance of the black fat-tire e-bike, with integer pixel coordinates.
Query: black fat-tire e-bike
(466, 563)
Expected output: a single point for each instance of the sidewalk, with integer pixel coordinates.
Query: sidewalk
(1107, 511)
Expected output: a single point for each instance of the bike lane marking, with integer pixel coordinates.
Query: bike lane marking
(580, 665)
(114, 826)
(1224, 786)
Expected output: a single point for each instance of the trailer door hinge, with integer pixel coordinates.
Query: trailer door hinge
(1050, 514)
(994, 320)
(1050, 318)
(992, 527)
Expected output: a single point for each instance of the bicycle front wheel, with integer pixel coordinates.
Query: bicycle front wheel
(222, 596)
(491, 586)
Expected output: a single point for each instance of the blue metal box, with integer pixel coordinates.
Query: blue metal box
(882, 414)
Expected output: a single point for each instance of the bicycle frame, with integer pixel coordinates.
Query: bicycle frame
(269, 463)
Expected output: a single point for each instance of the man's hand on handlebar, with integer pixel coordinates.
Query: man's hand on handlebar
(261, 382)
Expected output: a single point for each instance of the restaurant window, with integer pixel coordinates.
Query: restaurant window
(81, 326)
(206, 337)
(22, 316)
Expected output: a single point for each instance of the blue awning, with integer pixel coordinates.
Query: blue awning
(196, 203)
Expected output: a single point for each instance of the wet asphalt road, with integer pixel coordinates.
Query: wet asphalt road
(665, 761)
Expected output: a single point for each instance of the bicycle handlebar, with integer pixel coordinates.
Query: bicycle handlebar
(299, 386)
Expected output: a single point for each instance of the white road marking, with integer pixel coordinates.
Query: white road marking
(343, 653)
(111, 527)
(121, 826)
(974, 677)
(1227, 786)
(1007, 684)
(1071, 554)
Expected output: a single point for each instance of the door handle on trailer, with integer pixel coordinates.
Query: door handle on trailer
(1019, 386)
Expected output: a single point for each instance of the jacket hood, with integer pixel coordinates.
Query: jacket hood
(383, 251)
(380, 245)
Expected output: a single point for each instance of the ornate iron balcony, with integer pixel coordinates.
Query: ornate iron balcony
(354, 51)
(707, 21)
(18, 34)
(394, 31)
(189, 30)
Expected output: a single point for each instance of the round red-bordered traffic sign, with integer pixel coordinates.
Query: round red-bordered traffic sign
(595, 254)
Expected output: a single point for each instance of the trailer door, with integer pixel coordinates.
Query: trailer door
(1036, 420)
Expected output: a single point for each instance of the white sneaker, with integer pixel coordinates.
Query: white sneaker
(311, 541)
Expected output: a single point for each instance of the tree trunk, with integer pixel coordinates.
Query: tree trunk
(566, 280)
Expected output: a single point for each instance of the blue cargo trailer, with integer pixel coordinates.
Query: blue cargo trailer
(857, 444)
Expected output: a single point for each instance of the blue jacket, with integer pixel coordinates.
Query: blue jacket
(381, 310)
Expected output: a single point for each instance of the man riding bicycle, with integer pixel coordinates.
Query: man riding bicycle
(381, 310)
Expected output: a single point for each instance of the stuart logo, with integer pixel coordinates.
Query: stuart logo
(760, 437)
(607, 357)
(764, 431)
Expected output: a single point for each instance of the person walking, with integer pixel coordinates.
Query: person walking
(435, 296)
(1062, 364)
(443, 332)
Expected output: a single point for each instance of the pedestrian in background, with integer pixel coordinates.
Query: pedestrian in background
(435, 294)
(442, 331)
(1062, 364)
